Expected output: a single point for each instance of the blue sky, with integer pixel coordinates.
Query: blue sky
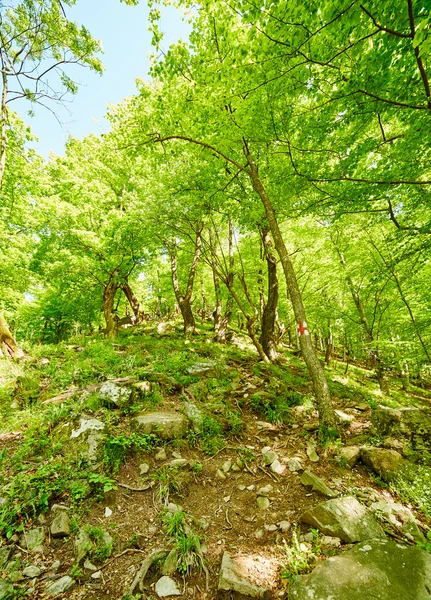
(126, 42)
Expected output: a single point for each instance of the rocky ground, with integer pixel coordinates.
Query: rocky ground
(201, 485)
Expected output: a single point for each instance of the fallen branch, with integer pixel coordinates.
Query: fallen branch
(121, 554)
(146, 487)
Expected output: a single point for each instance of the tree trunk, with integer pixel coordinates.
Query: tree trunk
(269, 312)
(222, 320)
(184, 300)
(320, 386)
(3, 132)
(111, 318)
(329, 346)
(8, 345)
(133, 301)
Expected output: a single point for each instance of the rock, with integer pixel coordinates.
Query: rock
(379, 569)
(55, 565)
(16, 577)
(412, 424)
(90, 437)
(394, 513)
(113, 395)
(166, 425)
(412, 532)
(203, 369)
(161, 455)
(82, 545)
(180, 463)
(144, 468)
(350, 455)
(345, 518)
(333, 542)
(311, 453)
(382, 461)
(195, 415)
(60, 586)
(264, 491)
(174, 508)
(108, 512)
(247, 576)
(163, 328)
(277, 468)
(226, 466)
(143, 388)
(5, 553)
(34, 540)
(220, 475)
(89, 565)
(96, 575)
(31, 571)
(271, 528)
(294, 465)
(284, 526)
(167, 587)
(343, 418)
(170, 565)
(269, 457)
(362, 406)
(311, 481)
(6, 589)
(263, 503)
(60, 526)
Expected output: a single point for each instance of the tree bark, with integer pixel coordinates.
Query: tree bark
(320, 386)
(269, 312)
(3, 133)
(8, 345)
(111, 318)
(222, 319)
(184, 300)
(133, 301)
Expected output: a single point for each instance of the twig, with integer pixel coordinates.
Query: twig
(227, 520)
(273, 477)
(133, 489)
(214, 455)
(247, 468)
(121, 554)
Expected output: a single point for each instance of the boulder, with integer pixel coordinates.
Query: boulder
(379, 569)
(314, 483)
(166, 425)
(113, 395)
(343, 418)
(412, 424)
(247, 576)
(382, 461)
(89, 438)
(345, 518)
(82, 545)
(350, 455)
(195, 415)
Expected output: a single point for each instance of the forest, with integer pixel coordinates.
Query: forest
(267, 190)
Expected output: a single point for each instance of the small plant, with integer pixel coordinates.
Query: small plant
(299, 557)
(117, 448)
(187, 543)
(101, 484)
(101, 543)
(76, 572)
(426, 545)
(169, 480)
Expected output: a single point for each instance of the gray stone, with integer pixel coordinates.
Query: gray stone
(170, 565)
(60, 586)
(6, 588)
(343, 418)
(161, 455)
(89, 437)
(89, 565)
(294, 465)
(247, 576)
(167, 587)
(220, 475)
(166, 425)
(393, 513)
(350, 455)
(60, 526)
(163, 328)
(264, 491)
(113, 395)
(333, 542)
(262, 503)
(277, 468)
(143, 387)
(378, 569)
(178, 462)
(345, 518)
(412, 424)
(31, 571)
(5, 553)
(195, 415)
(226, 466)
(382, 461)
(284, 526)
(312, 454)
(311, 481)
(413, 533)
(144, 468)
(34, 540)
(269, 457)
(203, 369)
(82, 545)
